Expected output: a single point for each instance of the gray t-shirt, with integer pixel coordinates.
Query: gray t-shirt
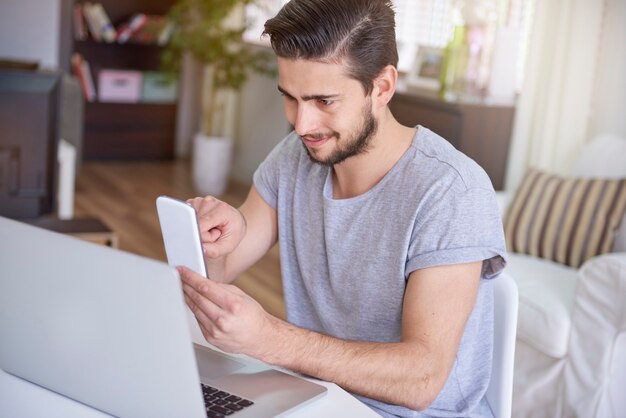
(345, 263)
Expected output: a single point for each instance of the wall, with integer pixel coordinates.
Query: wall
(609, 97)
(261, 122)
(261, 125)
(31, 30)
(189, 105)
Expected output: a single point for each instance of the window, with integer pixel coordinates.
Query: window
(427, 22)
(431, 23)
(422, 22)
(257, 14)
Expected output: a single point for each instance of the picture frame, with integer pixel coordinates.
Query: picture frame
(426, 68)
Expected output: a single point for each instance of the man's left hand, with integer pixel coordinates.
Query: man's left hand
(229, 319)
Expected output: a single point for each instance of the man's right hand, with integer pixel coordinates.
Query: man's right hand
(234, 239)
(222, 227)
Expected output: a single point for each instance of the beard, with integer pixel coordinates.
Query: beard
(357, 143)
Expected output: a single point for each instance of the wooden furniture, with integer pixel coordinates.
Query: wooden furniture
(127, 130)
(481, 131)
(87, 229)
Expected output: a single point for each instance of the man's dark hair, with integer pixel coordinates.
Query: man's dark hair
(357, 33)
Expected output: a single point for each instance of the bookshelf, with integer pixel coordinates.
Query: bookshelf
(122, 130)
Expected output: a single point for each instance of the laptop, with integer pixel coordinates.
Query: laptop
(111, 330)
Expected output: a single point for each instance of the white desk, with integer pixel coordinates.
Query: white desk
(21, 399)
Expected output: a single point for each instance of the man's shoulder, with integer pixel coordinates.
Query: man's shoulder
(288, 146)
(289, 163)
(438, 159)
(289, 154)
(285, 155)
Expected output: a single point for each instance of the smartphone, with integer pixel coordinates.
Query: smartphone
(181, 234)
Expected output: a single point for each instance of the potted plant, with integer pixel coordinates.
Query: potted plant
(212, 32)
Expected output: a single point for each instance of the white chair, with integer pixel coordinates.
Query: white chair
(569, 356)
(500, 390)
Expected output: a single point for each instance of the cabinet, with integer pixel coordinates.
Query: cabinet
(87, 229)
(127, 130)
(482, 131)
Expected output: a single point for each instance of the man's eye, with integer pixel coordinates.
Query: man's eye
(326, 102)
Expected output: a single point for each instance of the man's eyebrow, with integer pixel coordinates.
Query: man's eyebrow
(310, 97)
(283, 91)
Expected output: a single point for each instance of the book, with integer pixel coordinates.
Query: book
(98, 21)
(92, 24)
(77, 70)
(166, 33)
(80, 30)
(91, 89)
(103, 23)
(82, 70)
(151, 30)
(129, 28)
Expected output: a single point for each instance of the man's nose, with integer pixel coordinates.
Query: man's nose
(306, 120)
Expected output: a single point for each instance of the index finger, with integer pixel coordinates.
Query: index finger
(205, 287)
(191, 278)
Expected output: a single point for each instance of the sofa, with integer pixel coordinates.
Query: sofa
(570, 356)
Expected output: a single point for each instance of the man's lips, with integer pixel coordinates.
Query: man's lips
(316, 141)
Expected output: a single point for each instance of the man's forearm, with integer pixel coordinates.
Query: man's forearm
(403, 373)
(227, 268)
(216, 269)
(411, 372)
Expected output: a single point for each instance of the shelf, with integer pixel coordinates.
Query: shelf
(140, 57)
(120, 10)
(87, 229)
(129, 131)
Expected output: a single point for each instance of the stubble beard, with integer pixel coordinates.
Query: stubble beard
(358, 144)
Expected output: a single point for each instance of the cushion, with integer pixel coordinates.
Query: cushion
(567, 220)
(547, 292)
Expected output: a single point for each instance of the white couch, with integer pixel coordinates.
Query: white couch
(571, 337)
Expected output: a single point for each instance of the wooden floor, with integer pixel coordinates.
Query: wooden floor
(122, 195)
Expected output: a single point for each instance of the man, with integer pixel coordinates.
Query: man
(388, 236)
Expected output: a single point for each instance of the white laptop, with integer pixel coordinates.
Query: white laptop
(109, 329)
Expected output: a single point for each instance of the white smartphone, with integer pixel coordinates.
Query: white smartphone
(181, 234)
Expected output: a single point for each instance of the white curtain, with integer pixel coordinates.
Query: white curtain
(609, 93)
(554, 106)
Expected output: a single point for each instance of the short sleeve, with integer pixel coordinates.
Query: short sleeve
(267, 175)
(460, 227)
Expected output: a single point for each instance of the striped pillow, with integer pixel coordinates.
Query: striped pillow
(567, 220)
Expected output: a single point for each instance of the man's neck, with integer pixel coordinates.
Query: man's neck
(358, 174)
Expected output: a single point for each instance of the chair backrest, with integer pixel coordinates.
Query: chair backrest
(500, 390)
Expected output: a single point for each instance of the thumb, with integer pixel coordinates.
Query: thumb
(216, 249)
(214, 234)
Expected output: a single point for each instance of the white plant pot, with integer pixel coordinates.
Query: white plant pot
(211, 163)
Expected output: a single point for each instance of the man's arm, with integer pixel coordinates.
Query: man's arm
(232, 239)
(412, 372)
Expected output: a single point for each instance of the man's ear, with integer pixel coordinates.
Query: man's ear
(384, 86)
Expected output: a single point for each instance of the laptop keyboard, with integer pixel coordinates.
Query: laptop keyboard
(220, 404)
